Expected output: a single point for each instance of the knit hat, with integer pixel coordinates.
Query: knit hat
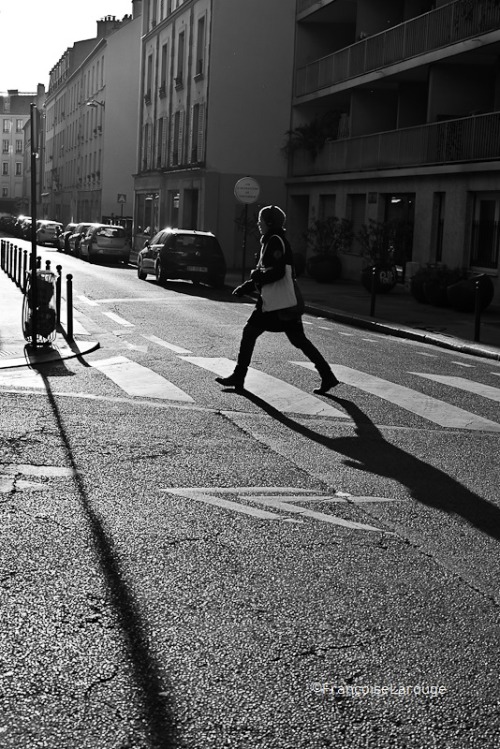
(273, 216)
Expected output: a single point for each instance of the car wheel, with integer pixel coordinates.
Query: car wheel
(160, 273)
(140, 272)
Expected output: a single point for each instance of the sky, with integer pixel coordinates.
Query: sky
(35, 34)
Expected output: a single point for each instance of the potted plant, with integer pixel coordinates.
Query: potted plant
(312, 136)
(327, 238)
(377, 241)
(430, 284)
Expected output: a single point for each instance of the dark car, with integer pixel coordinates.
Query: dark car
(105, 240)
(63, 240)
(183, 254)
(75, 238)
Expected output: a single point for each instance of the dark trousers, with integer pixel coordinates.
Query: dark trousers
(294, 331)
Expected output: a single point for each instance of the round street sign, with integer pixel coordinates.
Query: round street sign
(247, 190)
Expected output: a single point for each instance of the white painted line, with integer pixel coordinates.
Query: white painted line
(86, 300)
(277, 393)
(462, 364)
(424, 353)
(486, 391)
(225, 503)
(324, 327)
(434, 410)
(165, 344)
(349, 335)
(370, 340)
(137, 380)
(25, 378)
(118, 319)
(323, 517)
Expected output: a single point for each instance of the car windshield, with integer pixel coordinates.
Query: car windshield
(111, 232)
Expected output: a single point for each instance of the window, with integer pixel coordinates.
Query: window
(180, 59)
(149, 80)
(19, 126)
(5, 146)
(5, 168)
(197, 134)
(200, 47)
(5, 192)
(163, 69)
(19, 169)
(485, 238)
(7, 126)
(19, 146)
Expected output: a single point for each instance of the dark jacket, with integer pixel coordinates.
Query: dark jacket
(275, 254)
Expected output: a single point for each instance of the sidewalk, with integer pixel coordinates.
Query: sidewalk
(396, 313)
(14, 351)
(399, 314)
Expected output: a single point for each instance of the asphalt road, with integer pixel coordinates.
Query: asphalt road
(186, 566)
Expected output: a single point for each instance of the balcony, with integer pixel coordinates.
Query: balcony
(431, 31)
(469, 139)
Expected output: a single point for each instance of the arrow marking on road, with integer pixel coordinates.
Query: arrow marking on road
(279, 498)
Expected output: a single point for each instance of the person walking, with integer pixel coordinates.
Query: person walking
(278, 310)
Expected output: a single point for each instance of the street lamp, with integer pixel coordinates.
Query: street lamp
(94, 103)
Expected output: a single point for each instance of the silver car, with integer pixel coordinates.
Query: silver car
(105, 240)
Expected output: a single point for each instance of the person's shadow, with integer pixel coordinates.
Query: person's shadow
(368, 451)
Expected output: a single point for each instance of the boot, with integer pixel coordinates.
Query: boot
(234, 380)
(328, 381)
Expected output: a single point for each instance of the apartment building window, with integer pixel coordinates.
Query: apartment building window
(19, 146)
(180, 59)
(485, 238)
(149, 79)
(197, 133)
(200, 47)
(438, 225)
(177, 139)
(163, 69)
(19, 169)
(19, 126)
(5, 192)
(7, 124)
(5, 168)
(5, 146)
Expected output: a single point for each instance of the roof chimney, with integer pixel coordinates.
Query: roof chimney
(136, 8)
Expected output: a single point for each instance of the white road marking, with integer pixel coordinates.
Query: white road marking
(137, 380)
(165, 344)
(434, 410)
(86, 300)
(462, 364)
(370, 340)
(277, 393)
(424, 353)
(276, 497)
(118, 319)
(349, 335)
(225, 503)
(486, 391)
(26, 378)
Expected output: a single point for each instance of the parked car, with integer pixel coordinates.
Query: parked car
(22, 228)
(75, 238)
(47, 232)
(63, 241)
(185, 254)
(105, 240)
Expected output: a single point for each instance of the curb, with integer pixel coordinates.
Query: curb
(401, 331)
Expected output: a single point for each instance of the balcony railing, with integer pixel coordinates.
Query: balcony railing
(430, 31)
(467, 139)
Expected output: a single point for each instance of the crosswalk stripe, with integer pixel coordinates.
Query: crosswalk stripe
(165, 344)
(486, 391)
(120, 320)
(277, 393)
(137, 380)
(437, 411)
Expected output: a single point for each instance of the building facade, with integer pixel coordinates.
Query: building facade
(216, 86)
(408, 96)
(91, 126)
(15, 110)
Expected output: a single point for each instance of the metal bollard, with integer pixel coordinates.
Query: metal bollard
(2, 254)
(477, 310)
(69, 306)
(58, 294)
(39, 262)
(47, 265)
(19, 281)
(25, 265)
(374, 291)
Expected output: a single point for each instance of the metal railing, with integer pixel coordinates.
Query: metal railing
(433, 30)
(466, 139)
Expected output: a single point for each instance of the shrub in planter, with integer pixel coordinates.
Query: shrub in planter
(324, 269)
(429, 285)
(327, 237)
(379, 240)
(462, 295)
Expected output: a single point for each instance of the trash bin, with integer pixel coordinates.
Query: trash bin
(45, 303)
